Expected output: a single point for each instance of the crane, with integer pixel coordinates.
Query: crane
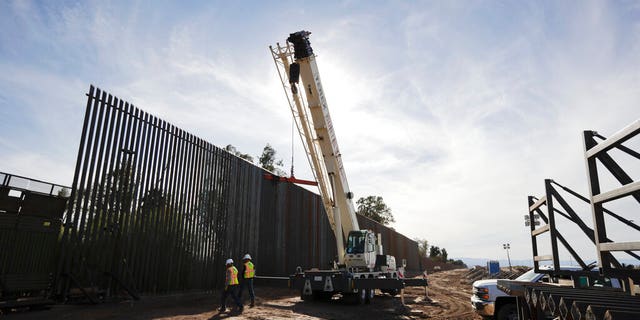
(362, 263)
(313, 120)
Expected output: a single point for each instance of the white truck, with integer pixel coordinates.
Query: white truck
(362, 266)
(492, 303)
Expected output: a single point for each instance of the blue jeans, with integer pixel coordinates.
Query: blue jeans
(249, 284)
(231, 290)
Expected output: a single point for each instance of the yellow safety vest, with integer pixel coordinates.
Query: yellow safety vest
(249, 271)
(232, 276)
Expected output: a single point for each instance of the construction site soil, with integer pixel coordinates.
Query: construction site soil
(448, 298)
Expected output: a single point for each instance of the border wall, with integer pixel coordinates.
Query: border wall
(156, 209)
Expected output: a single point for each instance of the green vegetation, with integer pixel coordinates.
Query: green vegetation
(374, 208)
(423, 246)
(435, 253)
(231, 149)
(269, 162)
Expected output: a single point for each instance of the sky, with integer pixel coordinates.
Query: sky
(453, 111)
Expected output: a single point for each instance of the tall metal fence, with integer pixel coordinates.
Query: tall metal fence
(155, 209)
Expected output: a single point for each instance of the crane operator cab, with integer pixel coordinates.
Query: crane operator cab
(364, 252)
(361, 250)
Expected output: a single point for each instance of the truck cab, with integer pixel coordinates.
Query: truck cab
(492, 303)
(486, 294)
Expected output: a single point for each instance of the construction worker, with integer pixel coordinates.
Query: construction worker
(230, 286)
(248, 273)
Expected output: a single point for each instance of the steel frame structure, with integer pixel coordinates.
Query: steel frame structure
(595, 152)
(598, 151)
(556, 205)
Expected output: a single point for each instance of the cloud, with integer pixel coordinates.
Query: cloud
(453, 112)
(460, 132)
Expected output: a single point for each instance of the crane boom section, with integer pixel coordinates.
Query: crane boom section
(313, 120)
(328, 143)
(283, 56)
(323, 126)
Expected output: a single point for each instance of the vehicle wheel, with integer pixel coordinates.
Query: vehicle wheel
(508, 312)
(350, 298)
(370, 293)
(305, 297)
(391, 292)
(322, 295)
(361, 296)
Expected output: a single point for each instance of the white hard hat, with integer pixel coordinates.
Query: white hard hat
(246, 256)
(229, 261)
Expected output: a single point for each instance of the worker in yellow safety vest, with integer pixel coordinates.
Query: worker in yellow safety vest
(248, 273)
(230, 287)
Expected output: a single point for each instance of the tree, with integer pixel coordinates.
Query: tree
(423, 246)
(64, 193)
(434, 252)
(269, 162)
(443, 254)
(231, 149)
(373, 207)
(457, 263)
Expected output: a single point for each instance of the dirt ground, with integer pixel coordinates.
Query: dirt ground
(448, 298)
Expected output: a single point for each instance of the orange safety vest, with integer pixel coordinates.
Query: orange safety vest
(232, 276)
(249, 271)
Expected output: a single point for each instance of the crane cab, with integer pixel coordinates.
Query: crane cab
(361, 250)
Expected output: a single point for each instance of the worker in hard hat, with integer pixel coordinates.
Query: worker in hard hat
(248, 273)
(230, 287)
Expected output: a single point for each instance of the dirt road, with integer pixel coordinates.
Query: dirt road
(448, 298)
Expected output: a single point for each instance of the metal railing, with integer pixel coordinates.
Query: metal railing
(21, 183)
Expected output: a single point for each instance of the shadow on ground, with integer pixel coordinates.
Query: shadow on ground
(152, 307)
